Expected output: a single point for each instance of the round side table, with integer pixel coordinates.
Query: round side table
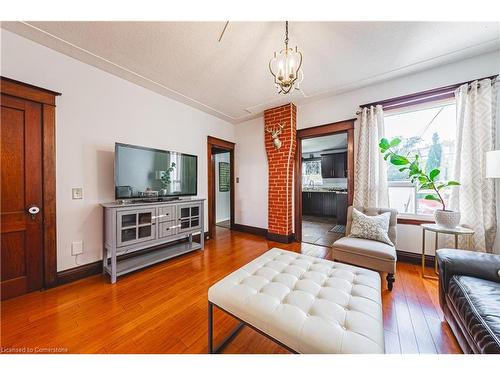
(458, 231)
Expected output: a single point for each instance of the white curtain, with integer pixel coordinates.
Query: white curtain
(370, 171)
(475, 197)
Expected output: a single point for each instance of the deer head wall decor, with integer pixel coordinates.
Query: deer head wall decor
(275, 132)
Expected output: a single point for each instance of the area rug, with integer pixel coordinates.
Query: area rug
(338, 229)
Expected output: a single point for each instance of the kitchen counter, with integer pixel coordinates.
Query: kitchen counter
(323, 190)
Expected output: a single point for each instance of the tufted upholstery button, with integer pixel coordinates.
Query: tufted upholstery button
(306, 303)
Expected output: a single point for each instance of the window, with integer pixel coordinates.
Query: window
(430, 132)
(311, 172)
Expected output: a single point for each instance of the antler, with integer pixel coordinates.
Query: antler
(274, 131)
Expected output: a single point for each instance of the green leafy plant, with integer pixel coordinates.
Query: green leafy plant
(406, 163)
(165, 178)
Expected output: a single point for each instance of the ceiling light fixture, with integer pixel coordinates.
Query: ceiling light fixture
(285, 67)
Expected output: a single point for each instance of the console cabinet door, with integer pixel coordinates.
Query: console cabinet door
(135, 226)
(188, 217)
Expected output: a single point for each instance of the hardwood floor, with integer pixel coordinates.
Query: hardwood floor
(163, 309)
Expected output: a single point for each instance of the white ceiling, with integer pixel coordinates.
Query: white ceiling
(230, 79)
(326, 143)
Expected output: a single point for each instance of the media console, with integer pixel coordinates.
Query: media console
(144, 228)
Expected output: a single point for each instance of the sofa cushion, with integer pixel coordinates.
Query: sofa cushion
(477, 304)
(371, 227)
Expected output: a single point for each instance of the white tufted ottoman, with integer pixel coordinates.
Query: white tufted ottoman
(306, 304)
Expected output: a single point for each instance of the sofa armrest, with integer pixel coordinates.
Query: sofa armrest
(468, 263)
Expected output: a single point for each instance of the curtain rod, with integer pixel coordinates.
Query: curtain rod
(423, 96)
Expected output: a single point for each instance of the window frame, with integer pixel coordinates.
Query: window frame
(397, 109)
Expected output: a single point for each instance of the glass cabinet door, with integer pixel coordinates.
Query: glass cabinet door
(189, 217)
(135, 226)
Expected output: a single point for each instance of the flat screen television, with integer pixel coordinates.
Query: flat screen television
(142, 172)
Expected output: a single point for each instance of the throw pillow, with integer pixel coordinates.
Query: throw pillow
(371, 227)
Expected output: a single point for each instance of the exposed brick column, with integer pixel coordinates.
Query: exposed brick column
(280, 177)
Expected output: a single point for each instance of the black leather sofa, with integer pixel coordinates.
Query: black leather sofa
(469, 294)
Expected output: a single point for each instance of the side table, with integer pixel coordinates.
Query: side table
(458, 231)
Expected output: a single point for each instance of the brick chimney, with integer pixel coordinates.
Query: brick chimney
(281, 162)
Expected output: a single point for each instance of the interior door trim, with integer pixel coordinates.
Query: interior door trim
(47, 98)
(347, 127)
(217, 143)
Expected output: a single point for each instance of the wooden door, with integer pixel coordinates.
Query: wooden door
(21, 188)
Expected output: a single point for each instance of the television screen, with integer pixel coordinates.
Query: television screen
(142, 172)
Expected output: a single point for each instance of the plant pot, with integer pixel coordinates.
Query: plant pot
(447, 219)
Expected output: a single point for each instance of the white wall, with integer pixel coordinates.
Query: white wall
(251, 169)
(222, 199)
(250, 159)
(96, 110)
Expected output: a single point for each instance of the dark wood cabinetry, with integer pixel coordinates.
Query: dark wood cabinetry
(334, 165)
(318, 203)
(341, 209)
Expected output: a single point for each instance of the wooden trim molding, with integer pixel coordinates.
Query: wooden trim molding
(346, 126)
(80, 272)
(280, 237)
(249, 229)
(427, 96)
(23, 90)
(217, 143)
(326, 129)
(414, 258)
(409, 221)
(47, 99)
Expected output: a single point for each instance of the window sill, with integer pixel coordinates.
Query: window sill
(415, 219)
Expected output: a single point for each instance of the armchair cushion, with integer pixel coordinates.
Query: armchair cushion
(366, 253)
(370, 227)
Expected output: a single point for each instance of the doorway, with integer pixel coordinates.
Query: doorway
(220, 184)
(324, 182)
(222, 189)
(28, 242)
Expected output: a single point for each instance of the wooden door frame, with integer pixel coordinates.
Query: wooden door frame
(47, 99)
(218, 143)
(346, 126)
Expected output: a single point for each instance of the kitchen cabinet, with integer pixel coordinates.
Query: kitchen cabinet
(318, 203)
(341, 209)
(334, 165)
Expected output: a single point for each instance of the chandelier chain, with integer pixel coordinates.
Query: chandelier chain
(286, 34)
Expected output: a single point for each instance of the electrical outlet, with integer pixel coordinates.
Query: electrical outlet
(237, 180)
(76, 247)
(77, 193)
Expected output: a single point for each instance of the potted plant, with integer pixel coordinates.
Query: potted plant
(426, 180)
(165, 178)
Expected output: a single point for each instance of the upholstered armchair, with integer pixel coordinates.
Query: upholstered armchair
(371, 254)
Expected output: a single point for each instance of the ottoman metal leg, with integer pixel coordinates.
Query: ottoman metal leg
(226, 340)
(210, 327)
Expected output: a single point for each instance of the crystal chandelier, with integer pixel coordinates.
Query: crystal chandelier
(285, 67)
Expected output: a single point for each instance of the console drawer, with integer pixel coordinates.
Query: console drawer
(166, 213)
(167, 228)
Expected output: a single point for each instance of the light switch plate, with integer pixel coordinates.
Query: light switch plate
(76, 247)
(77, 193)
